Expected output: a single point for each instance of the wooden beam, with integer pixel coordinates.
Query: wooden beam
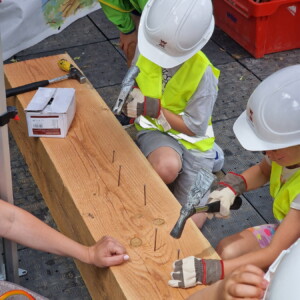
(88, 196)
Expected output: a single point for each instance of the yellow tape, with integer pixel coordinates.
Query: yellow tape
(64, 65)
(115, 7)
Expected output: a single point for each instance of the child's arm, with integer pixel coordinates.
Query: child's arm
(245, 282)
(257, 175)
(176, 122)
(20, 226)
(199, 107)
(234, 184)
(137, 104)
(205, 271)
(286, 234)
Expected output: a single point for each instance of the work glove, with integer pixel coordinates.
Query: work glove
(228, 189)
(137, 104)
(191, 271)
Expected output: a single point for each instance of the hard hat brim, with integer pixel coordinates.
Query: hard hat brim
(156, 55)
(247, 137)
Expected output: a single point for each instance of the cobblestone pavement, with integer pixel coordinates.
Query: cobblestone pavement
(93, 42)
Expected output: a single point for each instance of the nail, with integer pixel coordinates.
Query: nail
(155, 236)
(119, 175)
(113, 156)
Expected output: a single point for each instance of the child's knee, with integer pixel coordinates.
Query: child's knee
(167, 169)
(237, 244)
(225, 250)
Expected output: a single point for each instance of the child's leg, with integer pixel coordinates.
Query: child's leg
(166, 162)
(199, 219)
(175, 164)
(237, 244)
(246, 241)
(193, 161)
(163, 152)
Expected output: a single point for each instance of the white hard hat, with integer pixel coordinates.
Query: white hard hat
(272, 117)
(284, 275)
(172, 31)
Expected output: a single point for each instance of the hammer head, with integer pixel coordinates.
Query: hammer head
(76, 74)
(202, 184)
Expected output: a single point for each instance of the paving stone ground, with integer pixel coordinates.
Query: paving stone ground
(93, 41)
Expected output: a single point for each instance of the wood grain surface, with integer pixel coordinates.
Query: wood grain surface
(94, 182)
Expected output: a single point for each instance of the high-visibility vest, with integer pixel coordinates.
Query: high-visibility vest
(283, 195)
(176, 95)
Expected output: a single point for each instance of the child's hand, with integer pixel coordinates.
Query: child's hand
(245, 282)
(138, 104)
(228, 189)
(191, 271)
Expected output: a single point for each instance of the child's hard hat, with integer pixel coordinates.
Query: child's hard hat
(172, 31)
(283, 275)
(272, 117)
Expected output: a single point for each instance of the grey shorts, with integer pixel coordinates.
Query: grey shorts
(192, 160)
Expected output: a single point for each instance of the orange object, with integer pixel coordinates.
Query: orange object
(260, 28)
(16, 292)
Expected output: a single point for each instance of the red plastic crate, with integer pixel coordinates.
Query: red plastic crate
(260, 28)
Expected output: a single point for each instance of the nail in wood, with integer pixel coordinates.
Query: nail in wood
(113, 156)
(145, 195)
(178, 253)
(119, 179)
(155, 236)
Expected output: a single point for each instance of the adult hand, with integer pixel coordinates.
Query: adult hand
(137, 104)
(228, 189)
(107, 252)
(128, 43)
(191, 271)
(245, 282)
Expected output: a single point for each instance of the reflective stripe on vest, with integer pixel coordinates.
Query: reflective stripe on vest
(283, 195)
(177, 93)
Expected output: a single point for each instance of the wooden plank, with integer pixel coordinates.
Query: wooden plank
(78, 178)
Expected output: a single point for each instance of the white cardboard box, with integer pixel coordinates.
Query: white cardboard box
(50, 112)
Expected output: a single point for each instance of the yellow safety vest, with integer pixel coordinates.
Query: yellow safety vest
(177, 93)
(283, 195)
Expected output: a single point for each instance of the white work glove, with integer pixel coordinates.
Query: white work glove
(191, 271)
(137, 104)
(228, 189)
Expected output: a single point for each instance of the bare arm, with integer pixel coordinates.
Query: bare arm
(257, 175)
(176, 122)
(20, 226)
(286, 234)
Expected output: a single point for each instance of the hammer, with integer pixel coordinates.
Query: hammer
(126, 87)
(202, 184)
(73, 73)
